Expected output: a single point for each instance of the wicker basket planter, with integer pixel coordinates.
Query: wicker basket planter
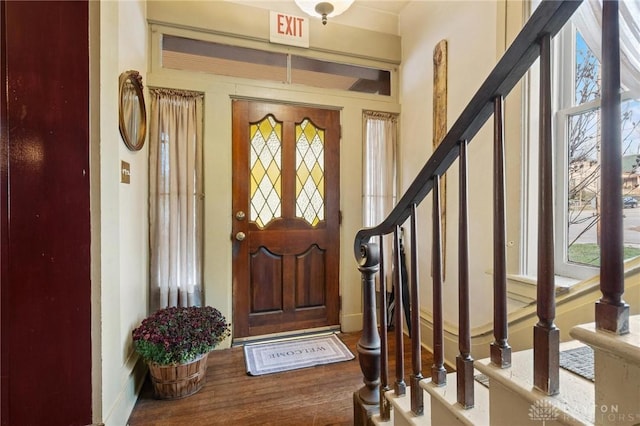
(175, 343)
(178, 381)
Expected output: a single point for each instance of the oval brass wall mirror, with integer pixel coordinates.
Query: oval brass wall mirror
(133, 113)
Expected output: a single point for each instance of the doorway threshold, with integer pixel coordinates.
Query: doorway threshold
(286, 335)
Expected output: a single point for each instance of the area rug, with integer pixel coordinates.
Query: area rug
(482, 379)
(578, 361)
(292, 354)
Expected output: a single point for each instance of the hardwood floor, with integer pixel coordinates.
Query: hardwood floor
(312, 396)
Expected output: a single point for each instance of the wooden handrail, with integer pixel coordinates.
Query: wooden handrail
(612, 313)
(545, 22)
(548, 18)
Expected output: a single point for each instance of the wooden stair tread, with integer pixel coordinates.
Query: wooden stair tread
(575, 402)
(447, 396)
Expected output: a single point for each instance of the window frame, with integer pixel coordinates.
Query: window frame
(564, 108)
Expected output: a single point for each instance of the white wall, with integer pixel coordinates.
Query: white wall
(370, 15)
(120, 42)
(473, 30)
(215, 21)
(122, 224)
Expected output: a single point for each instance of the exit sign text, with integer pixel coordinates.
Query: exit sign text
(288, 29)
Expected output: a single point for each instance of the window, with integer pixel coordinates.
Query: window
(578, 165)
(380, 182)
(175, 198)
(235, 61)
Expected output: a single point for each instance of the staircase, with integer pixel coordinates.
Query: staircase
(510, 398)
(507, 388)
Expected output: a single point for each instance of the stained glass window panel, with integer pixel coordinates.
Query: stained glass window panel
(266, 166)
(309, 172)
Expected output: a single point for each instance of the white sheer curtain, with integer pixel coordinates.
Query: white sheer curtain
(380, 175)
(175, 198)
(588, 20)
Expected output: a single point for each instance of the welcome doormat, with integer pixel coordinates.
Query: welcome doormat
(292, 354)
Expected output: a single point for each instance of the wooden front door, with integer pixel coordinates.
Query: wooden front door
(286, 218)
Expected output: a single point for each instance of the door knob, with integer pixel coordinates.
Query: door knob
(240, 215)
(240, 236)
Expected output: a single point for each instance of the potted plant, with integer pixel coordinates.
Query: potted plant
(175, 343)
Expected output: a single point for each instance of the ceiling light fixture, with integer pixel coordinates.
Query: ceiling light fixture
(324, 9)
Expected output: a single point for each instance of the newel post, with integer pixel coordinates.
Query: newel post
(366, 400)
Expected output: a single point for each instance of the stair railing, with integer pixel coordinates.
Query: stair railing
(534, 41)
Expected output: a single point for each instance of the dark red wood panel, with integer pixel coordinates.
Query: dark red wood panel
(45, 282)
(4, 166)
(310, 278)
(266, 288)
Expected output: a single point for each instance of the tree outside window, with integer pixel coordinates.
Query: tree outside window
(583, 165)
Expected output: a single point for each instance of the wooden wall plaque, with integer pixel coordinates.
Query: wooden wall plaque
(440, 129)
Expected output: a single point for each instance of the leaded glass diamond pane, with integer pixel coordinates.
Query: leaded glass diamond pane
(266, 166)
(309, 172)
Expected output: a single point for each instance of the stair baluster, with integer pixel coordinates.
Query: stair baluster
(417, 395)
(385, 406)
(464, 361)
(546, 336)
(612, 313)
(500, 349)
(548, 18)
(438, 372)
(400, 387)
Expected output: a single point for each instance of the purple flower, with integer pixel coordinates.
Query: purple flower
(176, 335)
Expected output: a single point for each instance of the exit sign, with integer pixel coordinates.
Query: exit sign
(288, 29)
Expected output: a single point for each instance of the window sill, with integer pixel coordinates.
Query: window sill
(523, 288)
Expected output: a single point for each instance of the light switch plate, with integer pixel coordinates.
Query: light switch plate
(125, 172)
